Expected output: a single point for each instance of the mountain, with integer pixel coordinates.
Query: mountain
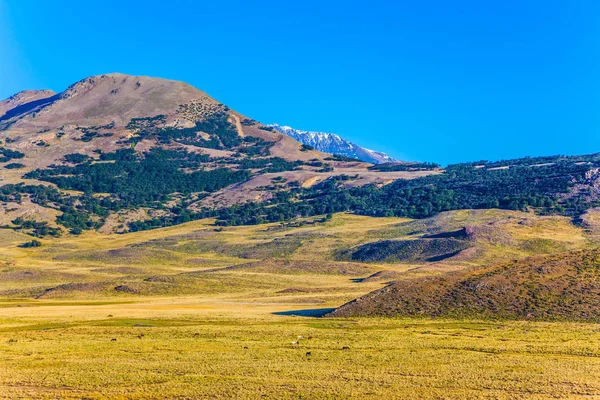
(334, 144)
(117, 152)
(99, 114)
(120, 153)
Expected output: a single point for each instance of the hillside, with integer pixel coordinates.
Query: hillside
(302, 258)
(334, 144)
(196, 311)
(563, 286)
(108, 112)
(120, 153)
(153, 307)
(115, 149)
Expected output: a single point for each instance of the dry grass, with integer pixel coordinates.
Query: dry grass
(561, 286)
(196, 353)
(214, 311)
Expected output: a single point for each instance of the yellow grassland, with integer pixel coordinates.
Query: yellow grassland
(186, 325)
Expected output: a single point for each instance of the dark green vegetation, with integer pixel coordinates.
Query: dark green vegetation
(14, 166)
(128, 179)
(33, 243)
(35, 228)
(271, 164)
(76, 158)
(337, 157)
(543, 287)
(213, 131)
(221, 133)
(418, 250)
(7, 154)
(141, 179)
(78, 212)
(388, 167)
(512, 185)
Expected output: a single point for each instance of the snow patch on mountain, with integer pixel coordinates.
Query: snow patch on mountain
(334, 144)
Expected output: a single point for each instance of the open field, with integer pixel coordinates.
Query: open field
(196, 311)
(192, 350)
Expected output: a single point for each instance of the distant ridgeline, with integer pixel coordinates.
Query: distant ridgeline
(156, 179)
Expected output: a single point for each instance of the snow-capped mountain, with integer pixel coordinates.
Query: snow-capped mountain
(334, 144)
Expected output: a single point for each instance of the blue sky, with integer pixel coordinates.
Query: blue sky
(431, 80)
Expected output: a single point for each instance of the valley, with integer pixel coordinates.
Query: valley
(299, 200)
(196, 310)
(153, 240)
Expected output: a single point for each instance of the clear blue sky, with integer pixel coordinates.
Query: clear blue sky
(433, 80)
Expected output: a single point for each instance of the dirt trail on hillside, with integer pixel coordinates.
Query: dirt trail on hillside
(238, 125)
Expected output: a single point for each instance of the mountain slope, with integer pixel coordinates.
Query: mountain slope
(563, 286)
(25, 97)
(334, 144)
(115, 149)
(121, 153)
(115, 100)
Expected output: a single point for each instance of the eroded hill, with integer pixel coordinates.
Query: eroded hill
(555, 286)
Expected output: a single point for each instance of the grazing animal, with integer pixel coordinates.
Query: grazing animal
(308, 354)
(113, 340)
(141, 335)
(196, 334)
(345, 348)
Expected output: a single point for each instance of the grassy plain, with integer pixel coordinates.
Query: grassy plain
(194, 351)
(193, 311)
